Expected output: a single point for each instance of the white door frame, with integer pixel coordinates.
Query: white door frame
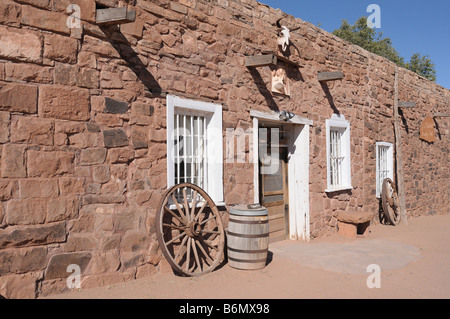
(298, 180)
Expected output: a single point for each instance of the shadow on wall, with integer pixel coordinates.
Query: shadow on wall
(329, 97)
(131, 57)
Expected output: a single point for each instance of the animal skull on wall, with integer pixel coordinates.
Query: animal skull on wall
(285, 35)
(284, 40)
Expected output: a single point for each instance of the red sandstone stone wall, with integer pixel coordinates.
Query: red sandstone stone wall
(83, 141)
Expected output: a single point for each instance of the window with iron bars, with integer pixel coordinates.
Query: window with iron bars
(336, 158)
(338, 154)
(190, 154)
(385, 169)
(195, 145)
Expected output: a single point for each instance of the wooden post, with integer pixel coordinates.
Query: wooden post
(398, 156)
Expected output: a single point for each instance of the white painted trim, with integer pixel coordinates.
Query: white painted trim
(298, 183)
(390, 163)
(275, 117)
(298, 170)
(338, 121)
(255, 160)
(214, 142)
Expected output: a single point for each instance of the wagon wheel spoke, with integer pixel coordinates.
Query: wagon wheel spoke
(194, 201)
(175, 238)
(191, 235)
(183, 242)
(188, 254)
(197, 260)
(200, 211)
(174, 215)
(175, 201)
(208, 259)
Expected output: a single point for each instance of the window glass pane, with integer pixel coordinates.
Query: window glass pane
(336, 157)
(189, 137)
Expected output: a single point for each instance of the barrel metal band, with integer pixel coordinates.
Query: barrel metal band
(248, 236)
(261, 251)
(249, 222)
(247, 261)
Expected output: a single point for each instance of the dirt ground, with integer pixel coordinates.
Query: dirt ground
(414, 261)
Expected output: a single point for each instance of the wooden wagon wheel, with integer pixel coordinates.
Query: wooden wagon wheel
(389, 201)
(190, 231)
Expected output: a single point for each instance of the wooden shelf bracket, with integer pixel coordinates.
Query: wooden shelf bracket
(330, 76)
(115, 16)
(404, 104)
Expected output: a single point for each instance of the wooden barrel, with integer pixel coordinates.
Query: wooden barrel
(248, 237)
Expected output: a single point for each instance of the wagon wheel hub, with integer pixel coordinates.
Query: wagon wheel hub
(193, 229)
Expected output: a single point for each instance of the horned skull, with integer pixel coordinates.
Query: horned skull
(283, 41)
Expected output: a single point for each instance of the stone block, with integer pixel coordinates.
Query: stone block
(134, 241)
(66, 103)
(57, 266)
(10, 14)
(28, 73)
(35, 188)
(72, 185)
(46, 20)
(13, 161)
(87, 8)
(115, 107)
(115, 138)
(19, 236)
(347, 230)
(18, 97)
(120, 155)
(4, 127)
(60, 48)
(22, 260)
(139, 137)
(101, 174)
(79, 242)
(20, 44)
(30, 211)
(59, 209)
(146, 270)
(105, 262)
(32, 130)
(101, 47)
(92, 156)
(134, 29)
(49, 164)
(22, 286)
(8, 189)
(356, 217)
(44, 4)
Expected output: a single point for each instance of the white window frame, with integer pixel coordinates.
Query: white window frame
(213, 146)
(389, 162)
(338, 122)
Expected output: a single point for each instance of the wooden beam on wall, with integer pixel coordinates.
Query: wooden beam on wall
(398, 156)
(115, 16)
(406, 104)
(439, 114)
(261, 60)
(330, 76)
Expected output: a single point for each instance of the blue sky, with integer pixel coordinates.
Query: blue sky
(413, 25)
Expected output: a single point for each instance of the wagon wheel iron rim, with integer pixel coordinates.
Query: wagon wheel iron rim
(190, 231)
(389, 200)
